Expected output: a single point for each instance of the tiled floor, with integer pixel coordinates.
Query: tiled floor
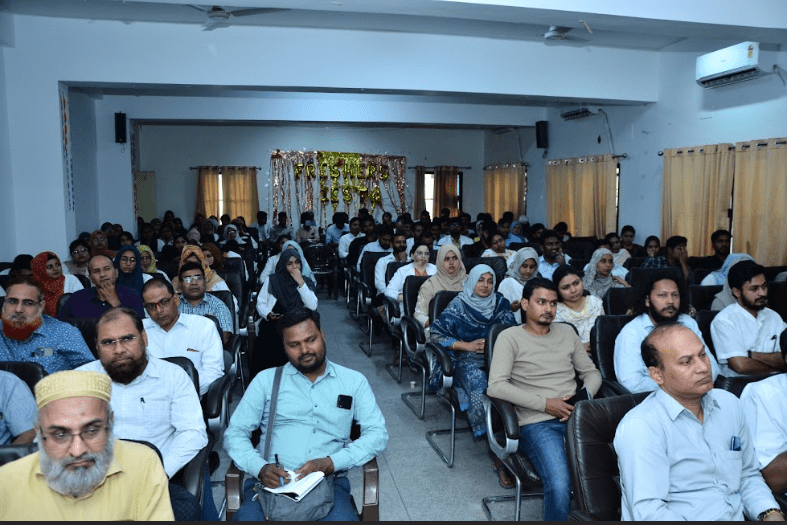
(414, 483)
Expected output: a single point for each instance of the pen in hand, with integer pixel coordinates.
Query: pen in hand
(278, 466)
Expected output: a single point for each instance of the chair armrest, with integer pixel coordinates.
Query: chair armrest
(212, 401)
(435, 353)
(579, 515)
(612, 389)
(391, 308)
(192, 475)
(233, 483)
(371, 498)
(411, 327)
(507, 415)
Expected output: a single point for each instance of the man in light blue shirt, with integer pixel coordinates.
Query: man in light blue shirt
(553, 256)
(685, 453)
(662, 303)
(317, 403)
(17, 411)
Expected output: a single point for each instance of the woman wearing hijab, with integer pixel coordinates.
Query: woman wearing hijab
(286, 289)
(270, 264)
(450, 275)
(515, 235)
(574, 307)
(213, 256)
(212, 281)
(461, 330)
(522, 267)
(598, 275)
(719, 278)
(232, 233)
(130, 275)
(619, 253)
(48, 271)
(147, 261)
(99, 245)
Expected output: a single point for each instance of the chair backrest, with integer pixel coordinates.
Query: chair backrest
(321, 258)
(777, 298)
(412, 285)
(578, 264)
(491, 338)
(234, 280)
(226, 298)
(735, 385)
(367, 267)
(633, 262)
(84, 280)
(217, 323)
(498, 264)
(696, 276)
(618, 301)
(30, 373)
(86, 327)
(390, 270)
(9, 453)
(602, 342)
(579, 249)
(772, 271)
(592, 460)
(704, 319)
(639, 276)
(701, 297)
(238, 265)
(439, 303)
(62, 300)
(186, 364)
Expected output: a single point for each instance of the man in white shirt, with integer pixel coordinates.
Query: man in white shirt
(347, 238)
(661, 303)
(553, 256)
(746, 333)
(335, 231)
(455, 234)
(382, 244)
(171, 333)
(399, 254)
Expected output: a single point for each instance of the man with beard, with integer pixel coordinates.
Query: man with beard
(746, 334)
(103, 295)
(80, 471)
(534, 367)
(399, 254)
(553, 256)
(455, 234)
(367, 235)
(685, 452)
(194, 300)
(171, 333)
(32, 336)
(720, 239)
(382, 244)
(661, 302)
(317, 403)
(153, 400)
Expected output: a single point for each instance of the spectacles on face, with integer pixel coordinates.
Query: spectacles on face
(79, 251)
(192, 279)
(27, 303)
(421, 254)
(152, 307)
(64, 439)
(110, 344)
(129, 260)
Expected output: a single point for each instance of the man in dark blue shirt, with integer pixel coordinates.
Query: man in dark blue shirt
(92, 302)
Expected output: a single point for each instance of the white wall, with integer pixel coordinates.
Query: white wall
(7, 215)
(170, 150)
(83, 139)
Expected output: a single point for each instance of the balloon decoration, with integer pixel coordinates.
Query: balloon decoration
(341, 181)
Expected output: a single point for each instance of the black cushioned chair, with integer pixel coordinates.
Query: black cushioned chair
(602, 348)
(618, 301)
(62, 300)
(701, 297)
(638, 277)
(366, 306)
(30, 373)
(414, 341)
(704, 319)
(498, 264)
(86, 327)
(697, 275)
(777, 298)
(391, 316)
(323, 261)
(237, 344)
(9, 453)
(633, 262)
(592, 461)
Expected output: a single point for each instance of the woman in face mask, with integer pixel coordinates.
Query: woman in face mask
(308, 232)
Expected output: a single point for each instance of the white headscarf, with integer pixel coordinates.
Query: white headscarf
(306, 270)
(483, 305)
(518, 260)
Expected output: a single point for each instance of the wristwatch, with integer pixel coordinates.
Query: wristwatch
(764, 514)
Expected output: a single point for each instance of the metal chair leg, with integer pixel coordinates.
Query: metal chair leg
(390, 366)
(448, 460)
(423, 393)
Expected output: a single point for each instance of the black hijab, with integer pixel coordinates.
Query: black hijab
(283, 287)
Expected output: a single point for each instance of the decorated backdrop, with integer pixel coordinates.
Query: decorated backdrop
(329, 181)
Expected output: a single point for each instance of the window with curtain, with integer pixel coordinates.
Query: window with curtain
(228, 189)
(696, 193)
(505, 189)
(447, 190)
(582, 192)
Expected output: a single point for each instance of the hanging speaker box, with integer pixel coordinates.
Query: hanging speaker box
(542, 134)
(120, 128)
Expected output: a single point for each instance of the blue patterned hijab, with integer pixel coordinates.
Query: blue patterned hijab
(483, 305)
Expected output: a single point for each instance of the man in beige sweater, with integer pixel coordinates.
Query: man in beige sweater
(533, 367)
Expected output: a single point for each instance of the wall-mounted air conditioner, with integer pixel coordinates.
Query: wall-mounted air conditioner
(729, 65)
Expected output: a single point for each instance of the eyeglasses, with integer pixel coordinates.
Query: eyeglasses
(152, 307)
(109, 344)
(64, 439)
(192, 279)
(423, 255)
(79, 251)
(27, 303)
(128, 259)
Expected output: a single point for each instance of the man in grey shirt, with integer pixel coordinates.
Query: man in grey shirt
(685, 453)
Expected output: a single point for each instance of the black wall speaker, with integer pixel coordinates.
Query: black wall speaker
(120, 128)
(542, 134)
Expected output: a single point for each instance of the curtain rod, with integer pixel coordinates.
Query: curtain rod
(730, 148)
(506, 165)
(198, 167)
(433, 167)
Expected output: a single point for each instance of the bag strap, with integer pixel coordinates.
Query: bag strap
(272, 412)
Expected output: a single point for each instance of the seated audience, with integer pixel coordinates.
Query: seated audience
(173, 334)
(213, 256)
(262, 226)
(662, 301)
(746, 334)
(516, 234)
(178, 244)
(685, 452)
(337, 229)
(48, 271)
(719, 278)
(381, 245)
(461, 330)
(652, 246)
(105, 293)
(677, 257)
(627, 234)
(522, 267)
(619, 253)
(308, 232)
(720, 239)
(32, 336)
(148, 237)
(99, 245)
(281, 227)
(194, 300)
(534, 367)
(285, 290)
(420, 267)
(17, 411)
(574, 307)
(212, 279)
(305, 441)
(536, 231)
(368, 235)
(232, 233)
(147, 261)
(80, 255)
(765, 406)
(130, 274)
(153, 400)
(125, 239)
(561, 229)
(599, 275)
(208, 233)
(553, 256)
(450, 276)
(485, 229)
(398, 254)
(343, 246)
(498, 248)
(95, 476)
(277, 248)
